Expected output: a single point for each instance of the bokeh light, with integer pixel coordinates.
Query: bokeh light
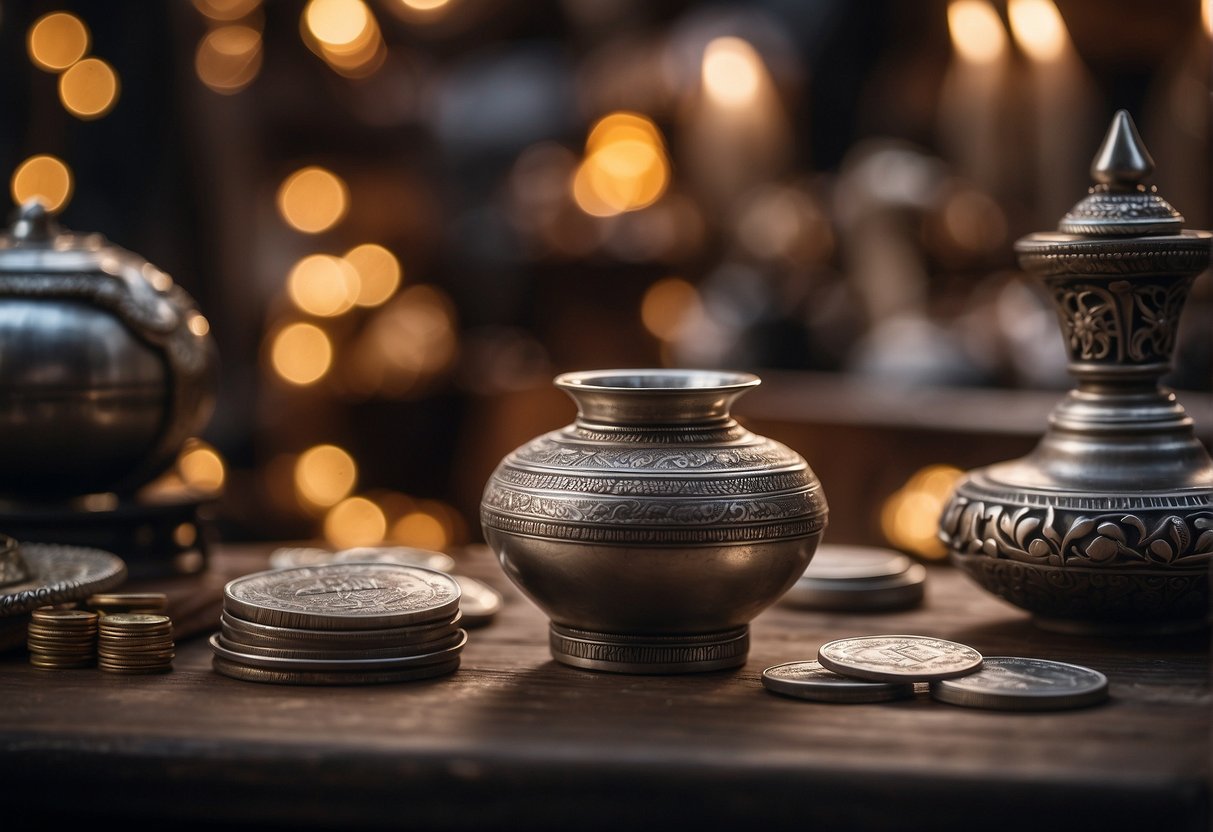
(313, 199)
(421, 530)
(323, 285)
(355, 521)
(89, 88)
(45, 179)
(732, 72)
(1038, 28)
(667, 305)
(909, 518)
(976, 30)
(324, 475)
(227, 10)
(378, 273)
(301, 353)
(200, 466)
(57, 40)
(625, 168)
(228, 58)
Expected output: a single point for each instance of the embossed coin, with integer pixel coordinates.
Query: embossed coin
(234, 642)
(248, 632)
(899, 658)
(1021, 684)
(448, 652)
(479, 602)
(245, 673)
(343, 596)
(809, 680)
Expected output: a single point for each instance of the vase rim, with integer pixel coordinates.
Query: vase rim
(647, 380)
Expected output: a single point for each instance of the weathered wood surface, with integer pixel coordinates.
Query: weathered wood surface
(514, 740)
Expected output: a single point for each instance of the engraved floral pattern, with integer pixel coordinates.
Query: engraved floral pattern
(1050, 538)
(1122, 320)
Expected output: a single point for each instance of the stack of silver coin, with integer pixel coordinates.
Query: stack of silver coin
(59, 639)
(888, 667)
(134, 643)
(858, 579)
(340, 624)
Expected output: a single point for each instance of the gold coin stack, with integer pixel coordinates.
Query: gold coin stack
(59, 639)
(134, 643)
(110, 602)
(340, 624)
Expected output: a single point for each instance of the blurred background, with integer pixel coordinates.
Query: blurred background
(403, 217)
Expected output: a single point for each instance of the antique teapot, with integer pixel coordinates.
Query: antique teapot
(106, 365)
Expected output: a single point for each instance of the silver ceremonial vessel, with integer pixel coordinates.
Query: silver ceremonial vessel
(655, 527)
(1106, 527)
(106, 365)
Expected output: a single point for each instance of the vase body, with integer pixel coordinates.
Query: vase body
(655, 527)
(1106, 527)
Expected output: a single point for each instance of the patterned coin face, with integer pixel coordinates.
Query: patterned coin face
(899, 658)
(1015, 683)
(809, 680)
(343, 596)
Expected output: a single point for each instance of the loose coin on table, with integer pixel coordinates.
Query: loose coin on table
(1014, 683)
(809, 680)
(858, 579)
(899, 658)
(478, 601)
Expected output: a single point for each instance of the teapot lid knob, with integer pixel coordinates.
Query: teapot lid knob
(33, 223)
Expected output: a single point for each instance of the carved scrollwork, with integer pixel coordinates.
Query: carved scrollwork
(1142, 540)
(1120, 320)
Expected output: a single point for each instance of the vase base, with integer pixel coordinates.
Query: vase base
(1129, 629)
(650, 655)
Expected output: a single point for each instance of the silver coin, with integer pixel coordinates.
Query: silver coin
(406, 555)
(343, 596)
(899, 658)
(250, 632)
(235, 670)
(836, 562)
(224, 651)
(900, 591)
(289, 557)
(479, 602)
(809, 680)
(234, 641)
(1022, 684)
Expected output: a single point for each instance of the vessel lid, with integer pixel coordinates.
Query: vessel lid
(1121, 203)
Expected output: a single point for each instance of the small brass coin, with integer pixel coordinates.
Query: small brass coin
(899, 658)
(1012, 683)
(809, 680)
(141, 621)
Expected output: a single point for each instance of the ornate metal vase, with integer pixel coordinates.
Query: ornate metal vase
(655, 527)
(1107, 525)
(106, 365)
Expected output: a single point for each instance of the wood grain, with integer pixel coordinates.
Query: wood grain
(514, 740)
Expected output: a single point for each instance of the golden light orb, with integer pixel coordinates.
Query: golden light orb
(313, 199)
(301, 353)
(325, 475)
(57, 40)
(89, 88)
(378, 273)
(355, 521)
(45, 179)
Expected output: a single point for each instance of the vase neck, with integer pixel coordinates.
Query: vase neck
(649, 398)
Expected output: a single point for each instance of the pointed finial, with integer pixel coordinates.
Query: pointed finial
(1122, 161)
(33, 223)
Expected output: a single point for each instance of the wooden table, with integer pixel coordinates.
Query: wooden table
(513, 740)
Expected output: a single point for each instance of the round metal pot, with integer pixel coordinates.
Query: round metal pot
(655, 527)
